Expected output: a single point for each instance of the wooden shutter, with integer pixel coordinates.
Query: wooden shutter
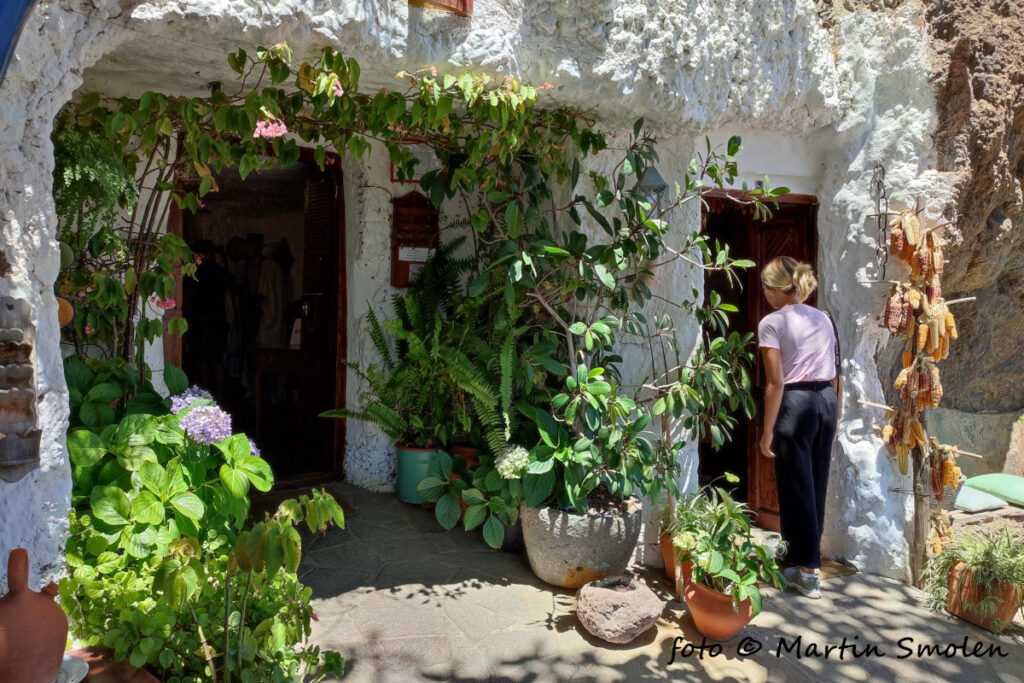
(463, 7)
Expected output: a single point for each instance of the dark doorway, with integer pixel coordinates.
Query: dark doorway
(267, 312)
(792, 231)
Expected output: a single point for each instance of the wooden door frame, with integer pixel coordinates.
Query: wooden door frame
(716, 200)
(173, 343)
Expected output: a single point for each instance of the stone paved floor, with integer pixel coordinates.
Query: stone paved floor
(405, 600)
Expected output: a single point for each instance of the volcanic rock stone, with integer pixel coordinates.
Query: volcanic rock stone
(617, 609)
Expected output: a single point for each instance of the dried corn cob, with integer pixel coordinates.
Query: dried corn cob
(934, 333)
(887, 432)
(922, 334)
(918, 431)
(897, 240)
(950, 325)
(947, 473)
(914, 297)
(893, 312)
(908, 359)
(912, 228)
(924, 259)
(903, 459)
(906, 320)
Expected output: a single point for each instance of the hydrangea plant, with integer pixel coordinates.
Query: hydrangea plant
(162, 555)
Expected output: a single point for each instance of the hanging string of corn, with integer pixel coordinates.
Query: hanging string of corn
(917, 312)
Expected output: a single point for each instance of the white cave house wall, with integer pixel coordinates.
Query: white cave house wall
(817, 109)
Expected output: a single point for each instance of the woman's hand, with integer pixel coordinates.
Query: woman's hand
(766, 445)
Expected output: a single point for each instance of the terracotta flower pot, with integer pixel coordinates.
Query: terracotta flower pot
(964, 602)
(468, 453)
(713, 612)
(665, 541)
(462, 504)
(666, 554)
(33, 628)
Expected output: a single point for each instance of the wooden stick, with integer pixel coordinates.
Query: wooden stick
(960, 301)
(879, 282)
(875, 405)
(969, 455)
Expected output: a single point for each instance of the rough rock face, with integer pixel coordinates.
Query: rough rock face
(980, 139)
(883, 57)
(617, 609)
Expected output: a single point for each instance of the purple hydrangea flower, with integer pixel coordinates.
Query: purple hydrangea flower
(185, 398)
(207, 424)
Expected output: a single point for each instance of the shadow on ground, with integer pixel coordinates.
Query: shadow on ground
(404, 600)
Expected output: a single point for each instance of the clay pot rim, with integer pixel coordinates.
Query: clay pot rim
(718, 596)
(634, 506)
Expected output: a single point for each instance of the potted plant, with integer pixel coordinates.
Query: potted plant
(978, 577)
(727, 564)
(408, 395)
(581, 512)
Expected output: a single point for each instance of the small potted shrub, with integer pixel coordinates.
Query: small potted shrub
(409, 395)
(723, 593)
(582, 512)
(978, 577)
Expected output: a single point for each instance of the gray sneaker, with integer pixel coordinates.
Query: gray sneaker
(808, 586)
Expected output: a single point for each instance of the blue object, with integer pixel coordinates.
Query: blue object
(12, 18)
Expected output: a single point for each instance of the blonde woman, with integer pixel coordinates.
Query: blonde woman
(801, 411)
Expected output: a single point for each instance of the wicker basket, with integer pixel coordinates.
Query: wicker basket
(949, 497)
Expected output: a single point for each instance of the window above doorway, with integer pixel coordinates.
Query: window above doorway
(463, 7)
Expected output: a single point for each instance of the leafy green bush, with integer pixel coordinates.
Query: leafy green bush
(162, 568)
(492, 500)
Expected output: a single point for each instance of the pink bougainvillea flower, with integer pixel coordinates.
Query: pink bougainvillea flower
(89, 330)
(338, 90)
(313, 616)
(546, 86)
(166, 304)
(270, 129)
(89, 288)
(81, 294)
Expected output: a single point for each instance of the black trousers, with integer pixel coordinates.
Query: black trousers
(802, 442)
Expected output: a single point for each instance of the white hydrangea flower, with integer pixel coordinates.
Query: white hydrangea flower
(512, 462)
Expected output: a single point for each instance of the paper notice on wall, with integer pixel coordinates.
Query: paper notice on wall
(414, 254)
(296, 339)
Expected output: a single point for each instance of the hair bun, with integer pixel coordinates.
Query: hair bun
(804, 281)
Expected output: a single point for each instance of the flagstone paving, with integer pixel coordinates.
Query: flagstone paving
(404, 600)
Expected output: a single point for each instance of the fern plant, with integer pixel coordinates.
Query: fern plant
(408, 394)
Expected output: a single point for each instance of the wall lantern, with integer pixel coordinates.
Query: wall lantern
(652, 186)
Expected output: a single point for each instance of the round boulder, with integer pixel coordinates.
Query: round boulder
(617, 609)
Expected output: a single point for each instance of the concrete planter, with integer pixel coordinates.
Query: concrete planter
(569, 550)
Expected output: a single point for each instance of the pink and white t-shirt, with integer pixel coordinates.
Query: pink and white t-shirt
(805, 340)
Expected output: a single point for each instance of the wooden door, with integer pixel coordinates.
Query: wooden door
(792, 231)
(322, 325)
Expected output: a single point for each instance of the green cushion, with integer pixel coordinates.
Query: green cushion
(1009, 487)
(973, 500)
